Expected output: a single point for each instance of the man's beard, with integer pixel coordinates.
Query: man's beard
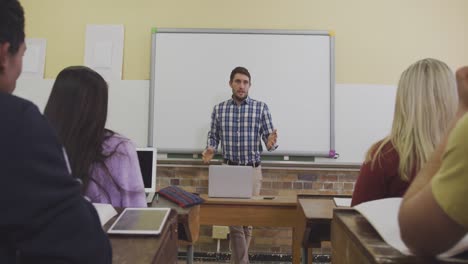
(238, 98)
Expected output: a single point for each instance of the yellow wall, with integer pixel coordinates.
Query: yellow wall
(375, 39)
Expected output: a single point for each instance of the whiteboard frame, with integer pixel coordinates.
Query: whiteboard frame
(155, 31)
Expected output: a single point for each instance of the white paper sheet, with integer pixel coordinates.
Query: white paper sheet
(345, 202)
(103, 54)
(104, 50)
(34, 58)
(105, 212)
(383, 216)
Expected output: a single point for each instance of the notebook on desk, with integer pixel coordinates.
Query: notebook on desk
(226, 181)
(383, 216)
(147, 160)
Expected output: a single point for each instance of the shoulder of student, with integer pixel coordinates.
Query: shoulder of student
(22, 121)
(14, 106)
(119, 143)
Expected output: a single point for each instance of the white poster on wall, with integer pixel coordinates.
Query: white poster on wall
(104, 50)
(34, 58)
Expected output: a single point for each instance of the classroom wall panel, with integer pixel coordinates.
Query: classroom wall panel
(127, 109)
(375, 40)
(364, 113)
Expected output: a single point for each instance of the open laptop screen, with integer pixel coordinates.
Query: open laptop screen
(230, 181)
(147, 159)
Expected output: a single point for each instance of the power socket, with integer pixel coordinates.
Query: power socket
(220, 232)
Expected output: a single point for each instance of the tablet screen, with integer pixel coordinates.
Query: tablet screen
(140, 221)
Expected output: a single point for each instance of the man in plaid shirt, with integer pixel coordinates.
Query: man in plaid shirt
(240, 124)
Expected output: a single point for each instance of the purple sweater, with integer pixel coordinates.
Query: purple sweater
(126, 189)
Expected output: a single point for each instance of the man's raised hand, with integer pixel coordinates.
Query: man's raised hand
(207, 155)
(272, 139)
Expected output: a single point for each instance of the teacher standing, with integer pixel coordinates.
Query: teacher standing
(240, 124)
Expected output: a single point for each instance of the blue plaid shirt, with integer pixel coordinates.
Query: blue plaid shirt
(240, 129)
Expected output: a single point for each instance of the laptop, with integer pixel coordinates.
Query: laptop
(226, 181)
(147, 159)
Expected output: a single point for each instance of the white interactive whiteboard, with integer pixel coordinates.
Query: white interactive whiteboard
(292, 71)
(364, 115)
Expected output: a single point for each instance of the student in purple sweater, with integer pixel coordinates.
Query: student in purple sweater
(103, 160)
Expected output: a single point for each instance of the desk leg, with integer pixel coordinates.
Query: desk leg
(190, 254)
(304, 255)
(296, 247)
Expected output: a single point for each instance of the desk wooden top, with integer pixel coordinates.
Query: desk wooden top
(317, 208)
(354, 240)
(314, 216)
(280, 211)
(257, 200)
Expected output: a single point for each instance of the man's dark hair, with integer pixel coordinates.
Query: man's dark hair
(11, 24)
(240, 70)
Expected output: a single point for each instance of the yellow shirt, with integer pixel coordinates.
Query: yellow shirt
(450, 184)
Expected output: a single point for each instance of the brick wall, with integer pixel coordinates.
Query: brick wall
(277, 181)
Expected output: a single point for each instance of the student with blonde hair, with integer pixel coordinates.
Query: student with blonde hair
(426, 102)
(433, 215)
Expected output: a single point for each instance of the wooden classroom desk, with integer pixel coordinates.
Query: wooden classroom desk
(279, 212)
(188, 223)
(355, 241)
(159, 249)
(314, 216)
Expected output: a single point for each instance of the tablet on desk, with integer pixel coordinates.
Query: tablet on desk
(140, 221)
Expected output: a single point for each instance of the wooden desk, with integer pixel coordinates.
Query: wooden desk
(355, 241)
(188, 223)
(314, 216)
(313, 223)
(279, 212)
(146, 249)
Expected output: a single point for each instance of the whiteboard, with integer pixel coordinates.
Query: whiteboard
(364, 115)
(292, 72)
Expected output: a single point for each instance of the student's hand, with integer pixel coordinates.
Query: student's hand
(207, 155)
(462, 84)
(272, 139)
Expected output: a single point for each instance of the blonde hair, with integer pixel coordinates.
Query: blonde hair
(426, 101)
